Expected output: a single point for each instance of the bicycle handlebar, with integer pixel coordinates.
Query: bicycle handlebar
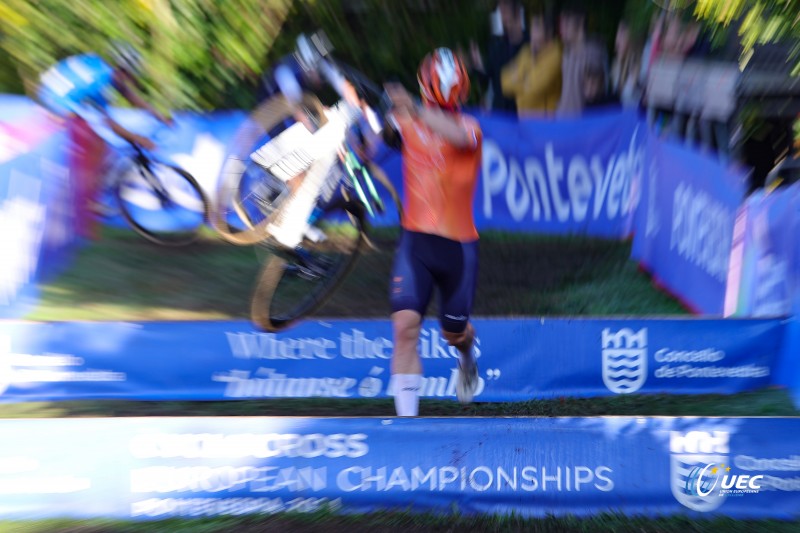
(314, 53)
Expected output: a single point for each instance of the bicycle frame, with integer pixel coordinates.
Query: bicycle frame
(356, 168)
(143, 165)
(355, 172)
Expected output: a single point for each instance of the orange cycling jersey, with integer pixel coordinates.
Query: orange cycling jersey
(439, 180)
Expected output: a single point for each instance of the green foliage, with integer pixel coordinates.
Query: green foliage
(754, 21)
(386, 39)
(199, 51)
(210, 53)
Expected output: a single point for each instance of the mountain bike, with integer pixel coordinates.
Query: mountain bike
(161, 202)
(357, 207)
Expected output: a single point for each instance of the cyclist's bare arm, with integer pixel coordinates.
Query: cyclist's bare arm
(124, 85)
(449, 127)
(128, 135)
(440, 122)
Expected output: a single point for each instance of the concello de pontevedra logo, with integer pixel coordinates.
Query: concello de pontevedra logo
(624, 360)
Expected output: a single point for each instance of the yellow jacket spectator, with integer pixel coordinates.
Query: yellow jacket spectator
(533, 77)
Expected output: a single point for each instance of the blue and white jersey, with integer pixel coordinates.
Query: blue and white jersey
(77, 84)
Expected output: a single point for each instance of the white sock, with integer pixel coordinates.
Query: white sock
(406, 394)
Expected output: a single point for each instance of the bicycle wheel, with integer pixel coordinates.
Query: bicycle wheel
(163, 203)
(294, 285)
(248, 194)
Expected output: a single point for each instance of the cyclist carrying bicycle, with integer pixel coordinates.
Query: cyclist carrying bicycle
(321, 149)
(441, 153)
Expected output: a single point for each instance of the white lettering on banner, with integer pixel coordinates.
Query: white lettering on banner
(625, 365)
(268, 383)
(702, 230)
(534, 189)
(772, 291)
(433, 346)
(791, 484)
(354, 344)
(665, 355)
(163, 479)
(269, 346)
(480, 478)
(258, 445)
(689, 371)
(749, 463)
(19, 368)
(183, 507)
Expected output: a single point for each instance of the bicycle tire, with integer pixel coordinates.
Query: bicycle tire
(263, 309)
(261, 121)
(163, 237)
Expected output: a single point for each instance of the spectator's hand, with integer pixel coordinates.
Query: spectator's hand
(475, 53)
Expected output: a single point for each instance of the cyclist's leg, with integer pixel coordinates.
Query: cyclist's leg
(89, 153)
(457, 276)
(410, 292)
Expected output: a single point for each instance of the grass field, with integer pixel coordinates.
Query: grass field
(123, 278)
(403, 522)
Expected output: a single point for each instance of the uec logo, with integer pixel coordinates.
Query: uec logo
(703, 481)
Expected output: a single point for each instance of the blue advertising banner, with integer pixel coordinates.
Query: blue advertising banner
(564, 177)
(520, 359)
(196, 142)
(156, 468)
(685, 225)
(764, 270)
(561, 177)
(36, 220)
(15, 108)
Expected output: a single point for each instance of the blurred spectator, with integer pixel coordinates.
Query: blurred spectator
(579, 51)
(652, 46)
(678, 38)
(594, 86)
(533, 77)
(502, 49)
(671, 41)
(626, 83)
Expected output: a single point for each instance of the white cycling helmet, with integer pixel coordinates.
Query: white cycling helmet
(126, 57)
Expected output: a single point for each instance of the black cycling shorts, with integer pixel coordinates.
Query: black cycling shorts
(426, 261)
